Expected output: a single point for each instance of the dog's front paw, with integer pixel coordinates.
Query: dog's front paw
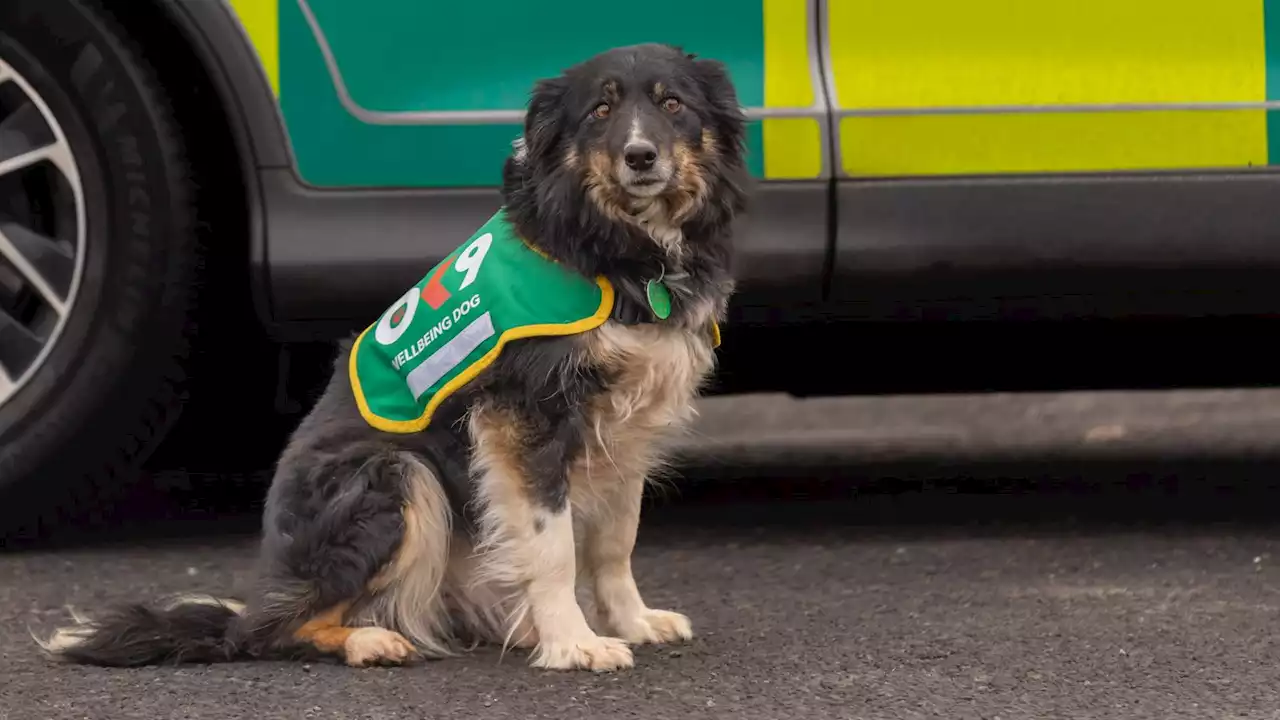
(599, 654)
(654, 627)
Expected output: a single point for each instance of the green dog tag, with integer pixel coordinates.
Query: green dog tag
(659, 298)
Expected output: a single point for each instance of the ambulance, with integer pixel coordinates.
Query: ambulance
(168, 164)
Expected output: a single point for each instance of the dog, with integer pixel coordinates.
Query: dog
(423, 540)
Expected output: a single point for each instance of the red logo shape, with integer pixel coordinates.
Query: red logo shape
(435, 294)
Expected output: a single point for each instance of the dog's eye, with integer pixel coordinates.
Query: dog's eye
(671, 105)
(601, 112)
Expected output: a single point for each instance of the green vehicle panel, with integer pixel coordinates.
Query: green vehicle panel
(400, 93)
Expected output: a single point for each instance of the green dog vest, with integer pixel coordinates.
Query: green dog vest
(454, 322)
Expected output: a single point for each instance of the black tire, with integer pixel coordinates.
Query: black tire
(112, 385)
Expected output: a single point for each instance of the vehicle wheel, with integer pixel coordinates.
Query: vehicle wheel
(98, 261)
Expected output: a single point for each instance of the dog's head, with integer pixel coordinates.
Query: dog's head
(650, 136)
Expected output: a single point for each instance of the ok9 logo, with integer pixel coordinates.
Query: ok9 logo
(397, 319)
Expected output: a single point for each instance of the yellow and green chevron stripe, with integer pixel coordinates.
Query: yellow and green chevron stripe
(936, 87)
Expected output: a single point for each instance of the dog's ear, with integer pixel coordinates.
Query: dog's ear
(544, 119)
(726, 114)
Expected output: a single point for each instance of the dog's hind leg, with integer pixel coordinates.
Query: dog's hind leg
(356, 550)
(354, 545)
(527, 540)
(358, 646)
(409, 593)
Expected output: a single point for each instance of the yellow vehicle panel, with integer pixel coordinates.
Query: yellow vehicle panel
(935, 87)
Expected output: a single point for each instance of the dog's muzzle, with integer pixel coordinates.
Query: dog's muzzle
(642, 171)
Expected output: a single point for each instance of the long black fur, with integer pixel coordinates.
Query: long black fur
(333, 516)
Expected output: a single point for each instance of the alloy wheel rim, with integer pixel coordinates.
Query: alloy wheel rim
(42, 231)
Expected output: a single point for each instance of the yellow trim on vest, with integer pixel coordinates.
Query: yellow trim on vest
(792, 146)
(261, 21)
(459, 381)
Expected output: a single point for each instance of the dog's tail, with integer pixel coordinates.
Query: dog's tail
(194, 628)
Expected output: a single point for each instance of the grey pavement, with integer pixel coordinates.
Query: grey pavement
(811, 601)
(770, 430)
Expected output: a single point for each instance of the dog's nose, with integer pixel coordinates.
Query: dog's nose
(640, 155)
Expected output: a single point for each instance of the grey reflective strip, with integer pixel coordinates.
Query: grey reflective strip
(450, 355)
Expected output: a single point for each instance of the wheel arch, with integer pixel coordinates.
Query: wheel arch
(223, 101)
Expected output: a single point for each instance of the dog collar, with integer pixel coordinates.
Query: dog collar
(655, 308)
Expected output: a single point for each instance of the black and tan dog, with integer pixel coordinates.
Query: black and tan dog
(381, 546)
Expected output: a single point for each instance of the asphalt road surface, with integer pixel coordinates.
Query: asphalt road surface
(1132, 596)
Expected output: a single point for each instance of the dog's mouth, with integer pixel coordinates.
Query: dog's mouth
(646, 183)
